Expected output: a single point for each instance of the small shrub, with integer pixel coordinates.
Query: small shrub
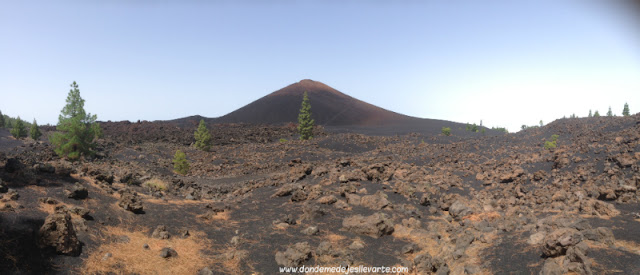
(156, 185)
(446, 131)
(77, 129)
(625, 110)
(305, 122)
(19, 131)
(551, 144)
(203, 137)
(35, 131)
(180, 163)
(283, 140)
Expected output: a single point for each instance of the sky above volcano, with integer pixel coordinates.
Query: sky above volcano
(506, 63)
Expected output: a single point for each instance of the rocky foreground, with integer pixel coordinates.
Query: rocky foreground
(435, 204)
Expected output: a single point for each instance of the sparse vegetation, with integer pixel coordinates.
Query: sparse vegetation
(283, 140)
(590, 114)
(19, 131)
(34, 132)
(625, 110)
(1, 120)
(203, 137)
(501, 129)
(596, 114)
(180, 163)
(156, 185)
(609, 113)
(446, 131)
(525, 127)
(305, 122)
(553, 143)
(77, 129)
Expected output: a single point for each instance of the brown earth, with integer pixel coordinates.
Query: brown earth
(449, 205)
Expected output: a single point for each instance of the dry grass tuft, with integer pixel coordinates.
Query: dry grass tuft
(132, 258)
(8, 206)
(488, 216)
(176, 202)
(335, 238)
(156, 185)
(51, 208)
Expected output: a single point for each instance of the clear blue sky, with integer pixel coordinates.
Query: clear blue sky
(506, 62)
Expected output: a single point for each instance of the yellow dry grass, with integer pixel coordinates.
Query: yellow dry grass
(37, 189)
(156, 184)
(629, 246)
(488, 216)
(335, 238)
(420, 238)
(233, 260)
(50, 208)
(132, 258)
(220, 216)
(8, 206)
(176, 202)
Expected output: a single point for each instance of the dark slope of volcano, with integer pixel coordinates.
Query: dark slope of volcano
(332, 109)
(329, 106)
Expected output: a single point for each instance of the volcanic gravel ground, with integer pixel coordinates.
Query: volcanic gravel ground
(469, 203)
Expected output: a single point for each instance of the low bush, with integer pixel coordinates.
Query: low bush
(446, 131)
(156, 185)
(551, 144)
(180, 163)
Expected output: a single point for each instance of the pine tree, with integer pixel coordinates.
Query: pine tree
(78, 130)
(19, 131)
(590, 115)
(596, 114)
(180, 163)
(541, 124)
(625, 110)
(305, 122)
(1, 120)
(609, 113)
(35, 131)
(203, 138)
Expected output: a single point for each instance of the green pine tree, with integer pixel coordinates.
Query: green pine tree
(596, 114)
(305, 122)
(180, 163)
(1, 120)
(77, 129)
(625, 110)
(35, 131)
(609, 113)
(203, 138)
(590, 115)
(19, 131)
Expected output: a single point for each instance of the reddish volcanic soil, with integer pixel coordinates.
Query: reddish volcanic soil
(262, 199)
